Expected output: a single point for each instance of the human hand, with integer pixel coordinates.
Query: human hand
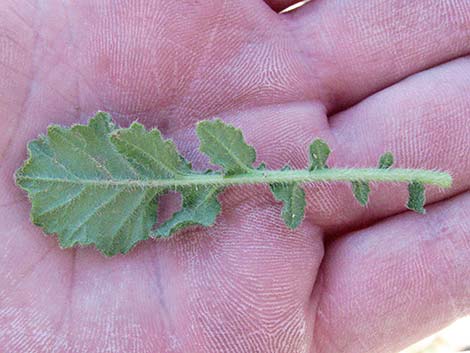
(349, 279)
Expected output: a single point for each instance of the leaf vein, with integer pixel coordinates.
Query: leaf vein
(56, 161)
(127, 218)
(173, 171)
(85, 153)
(229, 152)
(96, 210)
(62, 204)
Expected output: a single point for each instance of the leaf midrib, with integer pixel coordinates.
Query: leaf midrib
(265, 177)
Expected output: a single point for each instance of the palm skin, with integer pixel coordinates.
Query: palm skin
(349, 279)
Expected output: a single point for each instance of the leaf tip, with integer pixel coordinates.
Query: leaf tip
(386, 160)
(319, 152)
(447, 180)
(361, 190)
(225, 145)
(416, 198)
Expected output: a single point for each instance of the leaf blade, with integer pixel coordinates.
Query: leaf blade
(293, 198)
(361, 190)
(149, 153)
(200, 207)
(319, 153)
(225, 146)
(63, 203)
(386, 160)
(416, 197)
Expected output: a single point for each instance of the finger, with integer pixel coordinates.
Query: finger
(387, 286)
(369, 45)
(423, 121)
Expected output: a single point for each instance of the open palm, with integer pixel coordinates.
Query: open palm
(349, 279)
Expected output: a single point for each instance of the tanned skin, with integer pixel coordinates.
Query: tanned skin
(366, 76)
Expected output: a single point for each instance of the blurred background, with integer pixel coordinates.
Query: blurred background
(453, 339)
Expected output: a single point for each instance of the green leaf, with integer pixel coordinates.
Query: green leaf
(416, 198)
(60, 177)
(319, 152)
(149, 154)
(361, 191)
(200, 207)
(99, 184)
(293, 197)
(262, 166)
(225, 146)
(157, 158)
(96, 184)
(386, 160)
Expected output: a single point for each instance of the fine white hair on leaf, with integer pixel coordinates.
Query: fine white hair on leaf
(124, 171)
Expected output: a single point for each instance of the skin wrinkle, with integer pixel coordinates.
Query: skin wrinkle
(31, 268)
(432, 261)
(72, 40)
(13, 202)
(342, 60)
(363, 116)
(22, 19)
(15, 70)
(333, 234)
(219, 113)
(445, 236)
(71, 45)
(233, 343)
(155, 110)
(317, 340)
(28, 93)
(208, 45)
(38, 37)
(35, 29)
(153, 268)
(199, 113)
(42, 74)
(169, 325)
(68, 307)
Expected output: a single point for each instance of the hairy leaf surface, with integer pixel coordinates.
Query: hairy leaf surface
(99, 184)
(225, 146)
(361, 191)
(200, 207)
(149, 154)
(69, 179)
(89, 184)
(386, 160)
(293, 198)
(416, 199)
(319, 152)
